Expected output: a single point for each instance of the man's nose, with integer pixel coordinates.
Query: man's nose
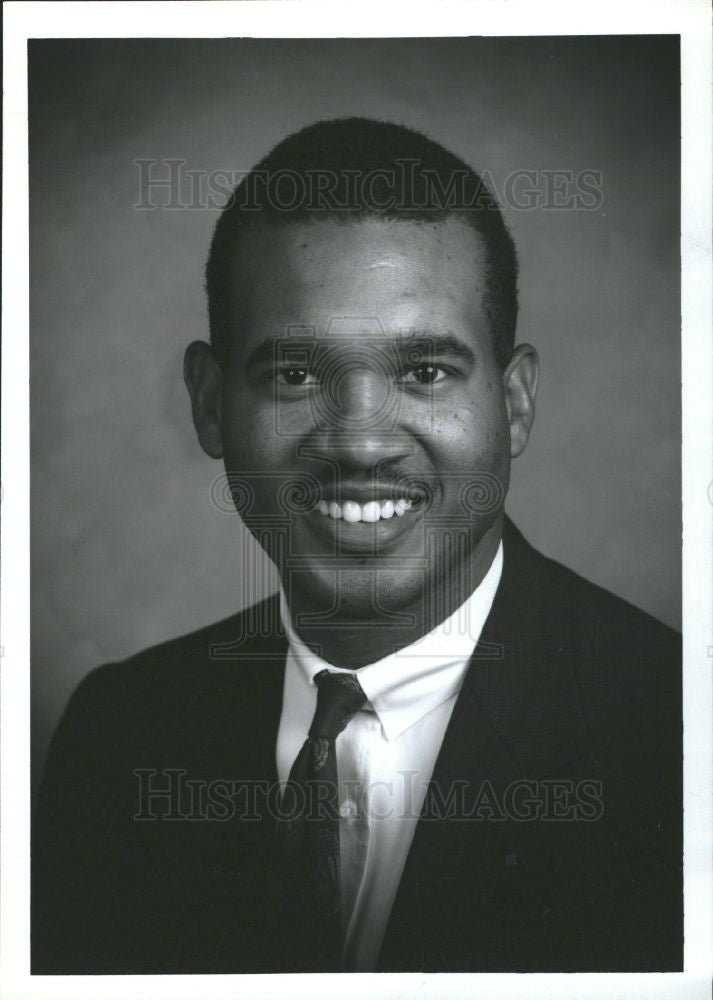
(358, 422)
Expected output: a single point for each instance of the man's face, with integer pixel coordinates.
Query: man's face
(362, 381)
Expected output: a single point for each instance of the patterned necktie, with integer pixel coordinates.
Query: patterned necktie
(307, 835)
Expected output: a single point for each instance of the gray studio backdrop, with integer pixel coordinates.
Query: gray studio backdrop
(127, 547)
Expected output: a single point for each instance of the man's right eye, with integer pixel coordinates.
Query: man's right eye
(295, 376)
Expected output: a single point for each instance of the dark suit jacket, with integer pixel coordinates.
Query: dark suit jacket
(570, 689)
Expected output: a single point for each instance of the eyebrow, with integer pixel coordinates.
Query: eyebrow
(425, 345)
(430, 345)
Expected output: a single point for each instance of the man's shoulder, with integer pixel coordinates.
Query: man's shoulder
(596, 608)
(232, 648)
(615, 667)
(185, 699)
(589, 607)
(623, 659)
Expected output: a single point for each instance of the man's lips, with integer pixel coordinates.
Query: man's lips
(359, 536)
(362, 494)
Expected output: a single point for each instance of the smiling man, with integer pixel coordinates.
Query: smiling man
(396, 403)
(434, 749)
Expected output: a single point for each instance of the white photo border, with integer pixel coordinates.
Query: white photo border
(690, 19)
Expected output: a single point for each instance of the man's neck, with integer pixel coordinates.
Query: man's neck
(355, 642)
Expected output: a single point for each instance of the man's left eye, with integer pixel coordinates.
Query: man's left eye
(296, 376)
(425, 374)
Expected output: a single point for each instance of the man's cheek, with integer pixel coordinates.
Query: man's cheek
(250, 443)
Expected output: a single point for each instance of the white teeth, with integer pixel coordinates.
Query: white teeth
(351, 511)
(374, 510)
(371, 511)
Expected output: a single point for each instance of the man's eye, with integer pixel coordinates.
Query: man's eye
(425, 374)
(296, 376)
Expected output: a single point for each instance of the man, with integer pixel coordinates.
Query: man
(435, 749)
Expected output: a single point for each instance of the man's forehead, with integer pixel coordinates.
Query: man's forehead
(364, 278)
(382, 242)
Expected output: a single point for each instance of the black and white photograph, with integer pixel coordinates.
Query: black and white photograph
(366, 418)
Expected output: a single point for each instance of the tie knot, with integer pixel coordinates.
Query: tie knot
(339, 697)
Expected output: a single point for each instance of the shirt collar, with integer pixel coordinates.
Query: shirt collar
(404, 686)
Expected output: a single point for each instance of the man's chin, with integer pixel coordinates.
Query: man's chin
(355, 594)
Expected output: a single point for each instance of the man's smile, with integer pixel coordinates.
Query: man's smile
(370, 528)
(369, 513)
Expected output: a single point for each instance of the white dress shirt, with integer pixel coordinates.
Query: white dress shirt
(385, 756)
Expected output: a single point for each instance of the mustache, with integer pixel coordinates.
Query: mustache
(298, 492)
(301, 493)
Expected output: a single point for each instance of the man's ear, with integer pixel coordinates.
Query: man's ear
(204, 379)
(520, 380)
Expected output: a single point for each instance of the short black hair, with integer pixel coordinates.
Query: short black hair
(350, 168)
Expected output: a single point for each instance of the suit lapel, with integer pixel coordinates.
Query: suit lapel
(517, 717)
